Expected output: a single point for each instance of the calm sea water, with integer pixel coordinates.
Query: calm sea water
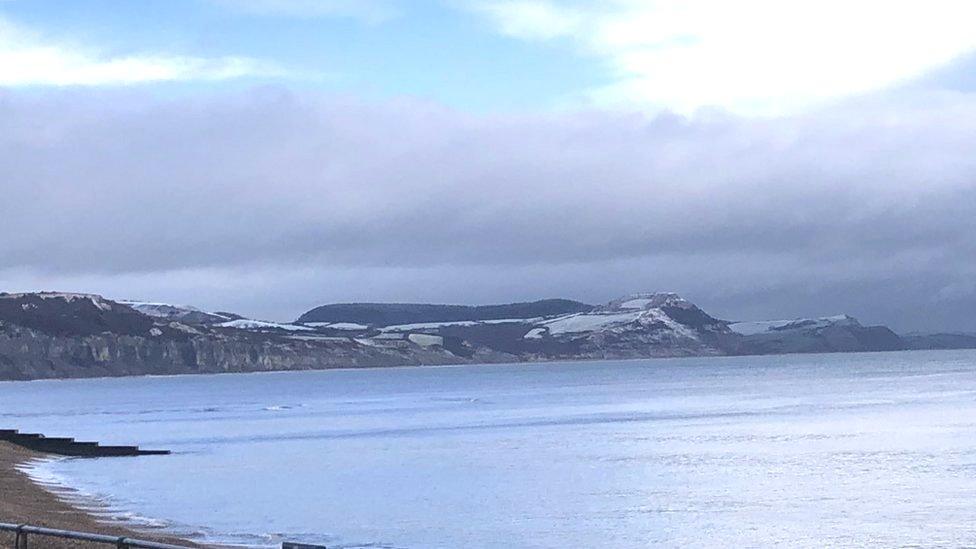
(818, 450)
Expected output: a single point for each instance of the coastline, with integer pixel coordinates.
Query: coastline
(23, 501)
(505, 363)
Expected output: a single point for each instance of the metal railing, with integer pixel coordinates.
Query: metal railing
(24, 532)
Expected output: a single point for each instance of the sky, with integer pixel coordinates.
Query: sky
(765, 159)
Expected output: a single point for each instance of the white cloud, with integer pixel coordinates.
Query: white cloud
(533, 20)
(749, 56)
(26, 58)
(370, 11)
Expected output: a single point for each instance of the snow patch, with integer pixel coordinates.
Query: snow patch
(348, 326)
(159, 304)
(184, 328)
(96, 300)
(514, 320)
(339, 325)
(246, 324)
(425, 340)
(161, 310)
(389, 336)
(426, 326)
(635, 304)
(318, 338)
(620, 321)
(767, 326)
(589, 322)
(435, 325)
(651, 301)
(169, 311)
(757, 327)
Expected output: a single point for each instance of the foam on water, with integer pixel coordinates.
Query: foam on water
(43, 471)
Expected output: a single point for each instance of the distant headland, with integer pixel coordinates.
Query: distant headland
(68, 335)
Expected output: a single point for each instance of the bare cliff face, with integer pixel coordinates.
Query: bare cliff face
(74, 335)
(55, 335)
(30, 354)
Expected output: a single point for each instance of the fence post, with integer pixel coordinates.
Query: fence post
(20, 542)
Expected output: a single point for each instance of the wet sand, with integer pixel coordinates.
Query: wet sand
(22, 501)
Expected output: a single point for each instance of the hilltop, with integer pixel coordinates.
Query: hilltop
(60, 334)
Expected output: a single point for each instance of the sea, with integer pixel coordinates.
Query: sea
(830, 450)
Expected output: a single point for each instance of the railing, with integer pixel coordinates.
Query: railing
(24, 532)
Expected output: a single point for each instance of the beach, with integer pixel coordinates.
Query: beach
(24, 502)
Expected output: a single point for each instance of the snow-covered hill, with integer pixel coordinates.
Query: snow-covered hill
(811, 335)
(57, 334)
(658, 324)
(774, 326)
(181, 313)
(641, 325)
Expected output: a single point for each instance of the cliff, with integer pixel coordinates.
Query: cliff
(54, 335)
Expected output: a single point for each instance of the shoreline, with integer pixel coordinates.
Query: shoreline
(24, 501)
(463, 364)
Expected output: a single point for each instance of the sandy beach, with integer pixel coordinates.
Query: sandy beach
(22, 501)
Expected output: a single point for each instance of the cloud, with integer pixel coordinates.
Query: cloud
(766, 57)
(369, 11)
(534, 20)
(272, 202)
(29, 59)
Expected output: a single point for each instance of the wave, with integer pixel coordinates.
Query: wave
(281, 407)
(134, 519)
(108, 510)
(460, 400)
(102, 507)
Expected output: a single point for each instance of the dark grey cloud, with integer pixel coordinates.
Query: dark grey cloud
(270, 202)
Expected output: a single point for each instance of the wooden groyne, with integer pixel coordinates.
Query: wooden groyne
(70, 447)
